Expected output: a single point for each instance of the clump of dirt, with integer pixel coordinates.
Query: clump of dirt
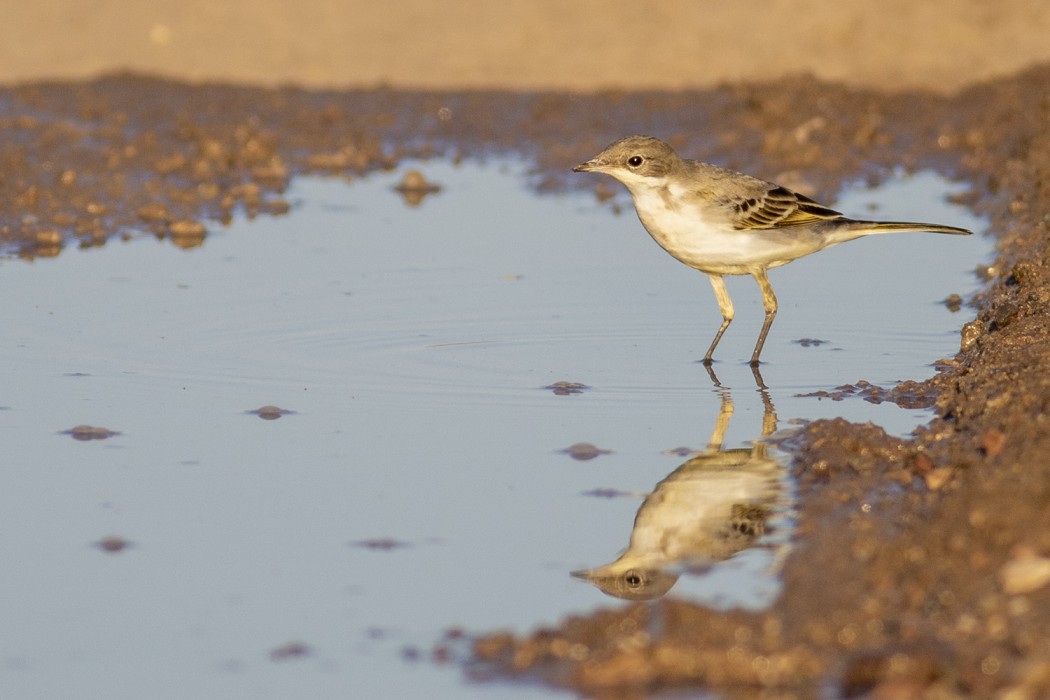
(907, 394)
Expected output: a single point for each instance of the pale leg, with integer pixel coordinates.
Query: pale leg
(769, 303)
(725, 305)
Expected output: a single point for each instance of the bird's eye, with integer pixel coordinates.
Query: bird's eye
(634, 161)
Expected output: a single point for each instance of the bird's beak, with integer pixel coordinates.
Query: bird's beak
(589, 166)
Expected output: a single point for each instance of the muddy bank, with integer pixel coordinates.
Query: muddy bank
(919, 566)
(82, 162)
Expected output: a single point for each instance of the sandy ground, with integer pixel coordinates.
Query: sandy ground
(541, 44)
(922, 567)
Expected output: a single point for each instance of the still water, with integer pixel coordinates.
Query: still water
(419, 480)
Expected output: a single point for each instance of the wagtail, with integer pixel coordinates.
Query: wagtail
(723, 222)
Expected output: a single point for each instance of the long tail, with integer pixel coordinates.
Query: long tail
(856, 229)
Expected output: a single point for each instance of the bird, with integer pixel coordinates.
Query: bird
(722, 222)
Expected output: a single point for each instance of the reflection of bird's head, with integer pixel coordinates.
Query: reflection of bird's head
(708, 509)
(632, 583)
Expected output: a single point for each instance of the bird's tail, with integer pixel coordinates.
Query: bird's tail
(856, 229)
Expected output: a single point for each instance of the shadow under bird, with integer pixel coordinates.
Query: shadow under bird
(722, 222)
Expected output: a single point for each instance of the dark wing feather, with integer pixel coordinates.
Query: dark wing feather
(777, 207)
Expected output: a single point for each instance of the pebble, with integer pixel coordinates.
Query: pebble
(90, 432)
(113, 544)
(563, 388)
(270, 412)
(186, 228)
(993, 441)
(414, 187)
(970, 333)
(1025, 573)
(936, 478)
(953, 302)
(48, 237)
(584, 451)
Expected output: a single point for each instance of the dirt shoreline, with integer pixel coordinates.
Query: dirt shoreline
(918, 570)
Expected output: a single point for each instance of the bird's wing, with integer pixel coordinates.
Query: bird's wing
(774, 208)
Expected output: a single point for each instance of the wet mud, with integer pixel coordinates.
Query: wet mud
(920, 567)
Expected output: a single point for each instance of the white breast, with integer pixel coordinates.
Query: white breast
(692, 231)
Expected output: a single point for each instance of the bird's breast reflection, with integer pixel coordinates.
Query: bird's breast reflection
(711, 507)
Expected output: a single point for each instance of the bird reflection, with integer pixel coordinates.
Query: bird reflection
(708, 509)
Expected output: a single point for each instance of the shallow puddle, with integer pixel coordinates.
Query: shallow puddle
(336, 435)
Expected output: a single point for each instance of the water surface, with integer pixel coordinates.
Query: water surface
(419, 482)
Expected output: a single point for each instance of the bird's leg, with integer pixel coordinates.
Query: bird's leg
(725, 305)
(769, 303)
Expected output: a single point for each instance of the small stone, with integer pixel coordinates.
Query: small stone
(1025, 573)
(415, 181)
(187, 234)
(923, 464)
(269, 412)
(993, 441)
(584, 451)
(936, 478)
(970, 333)
(90, 432)
(414, 187)
(187, 228)
(953, 302)
(49, 237)
(113, 544)
(567, 388)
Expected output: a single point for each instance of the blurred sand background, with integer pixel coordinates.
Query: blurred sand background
(542, 44)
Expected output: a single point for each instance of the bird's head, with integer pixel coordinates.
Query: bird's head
(634, 160)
